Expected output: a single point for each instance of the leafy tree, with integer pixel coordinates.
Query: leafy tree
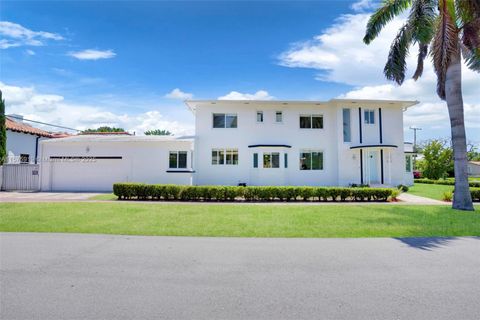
(3, 131)
(437, 159)
(448, 29)
(473, 154)
(104, 129)
(158, 132)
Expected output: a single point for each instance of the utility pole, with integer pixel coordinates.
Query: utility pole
(415, 129)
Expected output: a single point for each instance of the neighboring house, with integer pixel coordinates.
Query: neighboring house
(338, 142)
(474, 168)
(23, 141)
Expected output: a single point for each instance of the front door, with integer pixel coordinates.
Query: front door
(373, 166)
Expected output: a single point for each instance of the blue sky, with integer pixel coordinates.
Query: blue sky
(89, 63)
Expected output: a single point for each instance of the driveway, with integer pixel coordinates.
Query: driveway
(66, 276)
(17, 196)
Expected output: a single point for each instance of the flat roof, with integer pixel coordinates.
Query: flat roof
(117, 138)
(401, 103)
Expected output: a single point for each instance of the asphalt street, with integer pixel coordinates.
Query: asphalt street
(73, 276)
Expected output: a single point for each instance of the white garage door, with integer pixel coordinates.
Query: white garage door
(96, 174)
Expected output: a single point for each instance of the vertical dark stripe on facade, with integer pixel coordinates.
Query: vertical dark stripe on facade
(381, 164)
(360, 123)
(380, 124)
(361, 166)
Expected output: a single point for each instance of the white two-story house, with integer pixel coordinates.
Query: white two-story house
(300, 143)
(338, 142)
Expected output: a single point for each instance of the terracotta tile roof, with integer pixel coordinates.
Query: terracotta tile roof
(25, 128)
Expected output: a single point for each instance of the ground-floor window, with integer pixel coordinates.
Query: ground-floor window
(311, 160)
(271, 160)
(408, 163)
(255, 160)
(227, 156)
(178, 160)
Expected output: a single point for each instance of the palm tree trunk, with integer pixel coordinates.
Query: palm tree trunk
(462, 199)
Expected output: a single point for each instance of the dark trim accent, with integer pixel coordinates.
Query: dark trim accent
(269, 146)
(87, 157)
(381, 165)
(36, 149)
(180, 171)
(361, 166)
(380, 124)
(410, 152)
(360, 124)
(375, 146)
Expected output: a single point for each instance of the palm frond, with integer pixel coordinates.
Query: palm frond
(422, 54)
(445, 45)
(396, 63)
(384, 14)
(469, 14)
(422, 20)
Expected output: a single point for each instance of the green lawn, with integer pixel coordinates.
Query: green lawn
(432, 191)
(375, 220)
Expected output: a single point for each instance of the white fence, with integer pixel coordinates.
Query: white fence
(20, 177)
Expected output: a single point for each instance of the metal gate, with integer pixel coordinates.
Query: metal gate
(20, 177)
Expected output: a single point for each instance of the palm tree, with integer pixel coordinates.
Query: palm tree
(447, 29)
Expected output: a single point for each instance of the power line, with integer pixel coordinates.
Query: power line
(39, 122)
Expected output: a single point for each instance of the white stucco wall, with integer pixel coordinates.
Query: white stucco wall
(142, 161)
(21, 143)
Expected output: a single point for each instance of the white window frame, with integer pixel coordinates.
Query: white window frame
(311, 121)
(281, 116)
(225, 115)
(177, 153)
(368, 120)
(271, 158)
(226, 152)
(311, 159)
(259, 112)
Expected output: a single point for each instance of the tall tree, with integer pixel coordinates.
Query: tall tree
(447, 29)
(104, 129)
(158, 132)
(3, 131)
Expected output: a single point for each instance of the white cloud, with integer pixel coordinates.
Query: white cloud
(339, 55)
(30, 52)
(178, 94)
(363, 5)
(16, 35)
(52, 108)
(259, 95)
(92, 54)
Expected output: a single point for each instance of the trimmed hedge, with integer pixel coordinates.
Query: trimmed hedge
(473, 184)
(140, 191)
(475, 194)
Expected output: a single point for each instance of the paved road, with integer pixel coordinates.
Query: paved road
(67, 276)
(25, 196)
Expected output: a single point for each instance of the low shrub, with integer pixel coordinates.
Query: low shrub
(473, 184)
(141, 191)
(475, 192)
(402, 188)
(447, 196)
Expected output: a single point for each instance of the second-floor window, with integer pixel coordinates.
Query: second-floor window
(259, 116)
(225, 120)
(369, 116)
(278, 116)
(225, 156)
(311, 121)
(178, 160)
(347, 134)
